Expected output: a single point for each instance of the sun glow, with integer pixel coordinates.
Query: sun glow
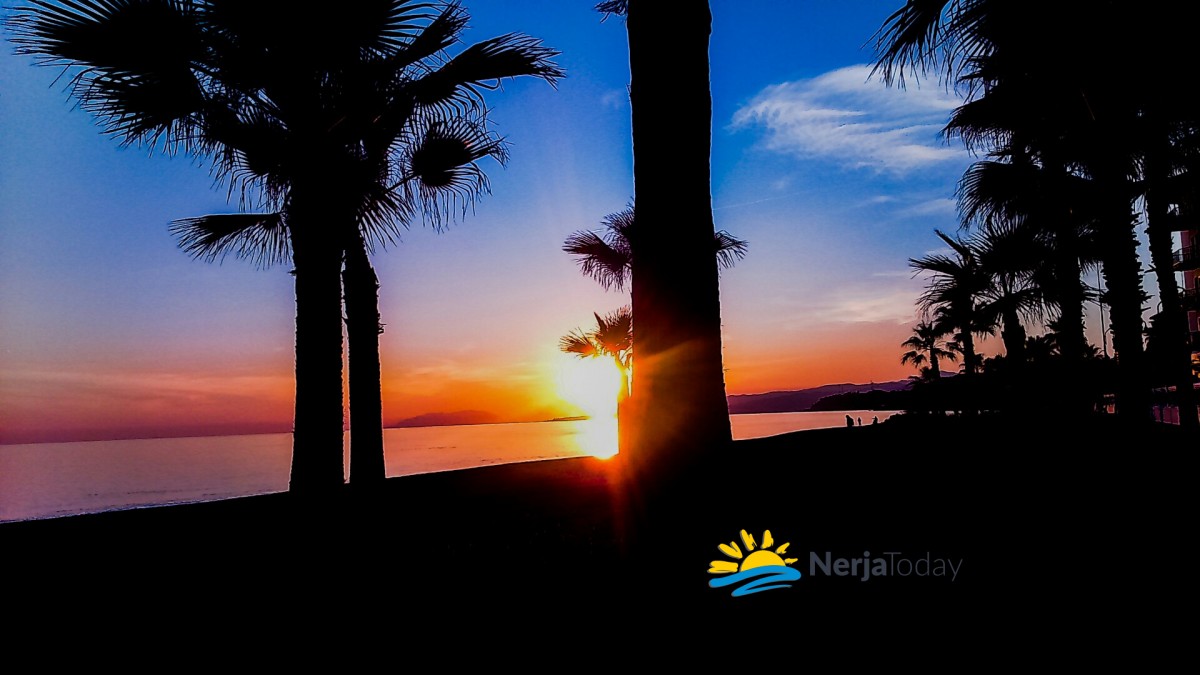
(598, 437)
(592, 386)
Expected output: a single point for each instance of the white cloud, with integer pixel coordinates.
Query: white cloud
(892, 301)
(895, 305)
(614, 98)
(933, 207)
(847, 117)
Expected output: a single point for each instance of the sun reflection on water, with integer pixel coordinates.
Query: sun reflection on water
(598, 437)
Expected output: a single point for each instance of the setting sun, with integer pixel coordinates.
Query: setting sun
(592, 386)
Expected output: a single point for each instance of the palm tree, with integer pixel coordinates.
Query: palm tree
(1012, 256)
(1079, 107)
(1166, 186)
(612, 338)
(679, 406)
(344, 142)
(952, 295)
(262, 239)
(1054, 213)
(927, 346)
(607, 256)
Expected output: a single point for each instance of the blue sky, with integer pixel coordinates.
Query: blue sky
(834, 179)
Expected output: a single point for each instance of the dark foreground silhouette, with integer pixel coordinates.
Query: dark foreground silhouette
(1053, 526)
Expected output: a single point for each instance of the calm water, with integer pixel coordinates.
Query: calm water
(57, 479)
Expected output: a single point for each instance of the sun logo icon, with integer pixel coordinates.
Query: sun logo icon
(759, 570)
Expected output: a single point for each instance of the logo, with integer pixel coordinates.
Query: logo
(760, 569)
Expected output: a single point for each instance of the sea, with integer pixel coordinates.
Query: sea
(50, 480)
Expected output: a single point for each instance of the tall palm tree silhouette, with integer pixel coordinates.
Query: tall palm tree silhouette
(679, 406)
(344, 124)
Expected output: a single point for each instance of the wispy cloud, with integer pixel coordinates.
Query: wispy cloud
(933, 207)
(614, 98)
(893, 305)
(849, 118)
(892, 302)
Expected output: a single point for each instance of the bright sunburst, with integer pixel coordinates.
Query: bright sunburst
(591, 385)
(762, 557)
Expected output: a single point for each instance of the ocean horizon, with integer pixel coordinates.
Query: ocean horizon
(49, 480)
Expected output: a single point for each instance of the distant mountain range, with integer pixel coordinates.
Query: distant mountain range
(447, 419)
(801, 400)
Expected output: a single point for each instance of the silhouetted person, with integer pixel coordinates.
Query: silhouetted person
(875, 420)
(849, 421)
(860, 421)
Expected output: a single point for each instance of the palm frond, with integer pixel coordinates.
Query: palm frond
(260, 238)
(910, 37)
(614, 331)
(994, 191)
(620, 231)
(729, 249)
(578, 343)
(609, 265)
(484, 65)
(439, 34)
(618, 7)
(442, 174)
(102, 45)
(392, 25)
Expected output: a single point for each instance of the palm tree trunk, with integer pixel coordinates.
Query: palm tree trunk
(679, 406)
(1174, 319)
(1069, 293)
(622, 403)
(1013, 335)
(967, 339)
(1123, 278)
(317, 450)
(1070, 333)
(366, 392)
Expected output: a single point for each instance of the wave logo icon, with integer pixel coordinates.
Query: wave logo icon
(760, 569)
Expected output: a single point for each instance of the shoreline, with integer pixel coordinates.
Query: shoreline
(64, 479)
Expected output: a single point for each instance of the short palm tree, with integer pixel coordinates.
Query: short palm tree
(607, 256)
(927, 345)
(953, 295)
(1013, 257)
(337, 121)
(612, 338)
